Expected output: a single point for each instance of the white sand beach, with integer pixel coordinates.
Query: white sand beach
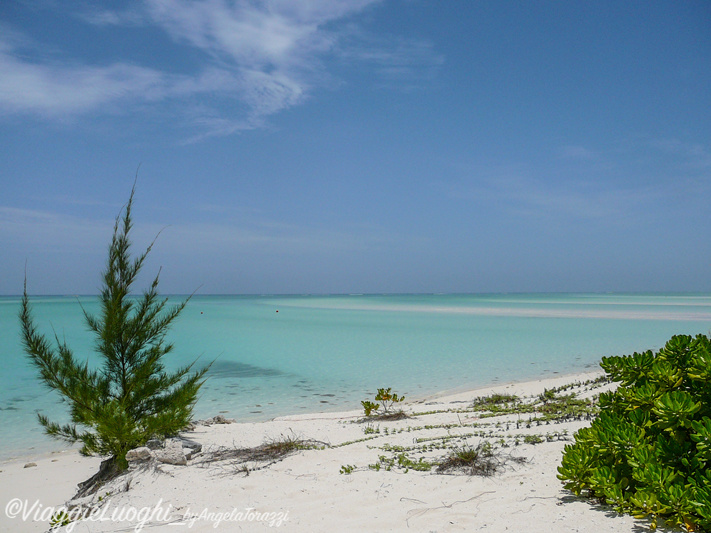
(331, 487)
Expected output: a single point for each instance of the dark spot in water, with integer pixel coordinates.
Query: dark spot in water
(328, 395)
(255, 412)
(257, 405)
(235, 369)
(224, 411)
(324, 401)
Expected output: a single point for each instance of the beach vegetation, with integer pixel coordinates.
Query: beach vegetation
(402, 461)
(59, 519)
(370, 430)
(481, 460)
(347, 469)
(271, 451)
(648, 453)
(369, 407)
(387, 400)
(494, 401)
(130, 397)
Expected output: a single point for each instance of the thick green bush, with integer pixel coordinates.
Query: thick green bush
(649, 451)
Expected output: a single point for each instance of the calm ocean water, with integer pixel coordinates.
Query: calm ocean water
(277, 355)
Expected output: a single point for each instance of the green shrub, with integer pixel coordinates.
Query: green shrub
(649, 451)
(387, 400)
(369, 407)
(131, 397)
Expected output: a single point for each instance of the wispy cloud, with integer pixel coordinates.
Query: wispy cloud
(517, 192)
(258, 58)
(577, 152)
(574, 198)
(47, 230)
(400, 63)
(694, 155)
(61, 90)
(44, 230)
(103, 17)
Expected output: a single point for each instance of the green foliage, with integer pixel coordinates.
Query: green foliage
(347, 469)
(386, 398)
(369, 407)
(649, 451)
(370, 430)
(533, 439)
(400, 460)
(59, 519)
(479, 461)
(491, 402)
(547, 395)
(130, 398)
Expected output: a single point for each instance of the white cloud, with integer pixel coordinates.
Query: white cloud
(694, 155)
(37, 230)
(259, 58)
(99, 17)
(42, 230)
(578, 199)
(516, 192)
(60, 90)
(399, 62)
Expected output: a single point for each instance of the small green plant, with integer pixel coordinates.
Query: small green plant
(547, 395)
(494, 401)
(59, 519)
(533, 439)
(406, 463)
(401, 460)
(347, 469)
(369, 407)
(480, 461)
(387, 400)
(649, 451)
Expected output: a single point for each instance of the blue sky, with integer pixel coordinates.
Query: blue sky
(359, 146)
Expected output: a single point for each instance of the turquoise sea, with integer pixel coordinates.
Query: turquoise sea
(277, 355)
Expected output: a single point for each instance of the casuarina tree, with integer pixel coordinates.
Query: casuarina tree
(128, 397)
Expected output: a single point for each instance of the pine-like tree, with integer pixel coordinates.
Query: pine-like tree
(130, 398)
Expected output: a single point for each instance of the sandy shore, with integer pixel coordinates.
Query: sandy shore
(311, 490)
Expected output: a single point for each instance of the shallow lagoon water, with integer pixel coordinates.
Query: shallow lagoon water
(278, 355)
